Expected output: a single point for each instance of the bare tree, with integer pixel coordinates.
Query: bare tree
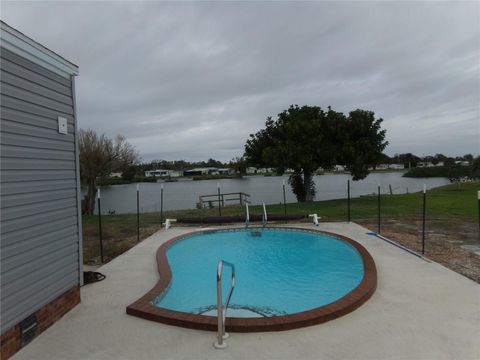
(99, 156)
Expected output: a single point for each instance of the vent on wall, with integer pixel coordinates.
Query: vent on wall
(28, 328)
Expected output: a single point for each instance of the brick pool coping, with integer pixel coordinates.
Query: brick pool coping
(354, 299)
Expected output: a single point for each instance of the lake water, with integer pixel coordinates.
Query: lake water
(184, 194)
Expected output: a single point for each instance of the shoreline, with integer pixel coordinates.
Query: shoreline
(115, 181)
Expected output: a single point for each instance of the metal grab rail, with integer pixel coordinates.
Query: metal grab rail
(247, 216)
(221, 309)
(264, 215)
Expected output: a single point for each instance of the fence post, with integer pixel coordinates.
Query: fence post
(100, 225)
(219, 201)
(138, 212)
(378, 209)
(478, 197)
(348, 200)
(161, 205)
(423, 218)
(284, 201)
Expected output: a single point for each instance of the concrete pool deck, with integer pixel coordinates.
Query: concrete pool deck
(421, 310)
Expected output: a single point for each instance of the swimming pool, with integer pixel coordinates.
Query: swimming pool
(285, 278)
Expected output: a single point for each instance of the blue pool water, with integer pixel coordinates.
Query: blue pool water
(278, 271)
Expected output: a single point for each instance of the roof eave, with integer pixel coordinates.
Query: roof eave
(28, 48)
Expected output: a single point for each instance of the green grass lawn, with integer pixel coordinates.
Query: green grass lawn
(451, 204)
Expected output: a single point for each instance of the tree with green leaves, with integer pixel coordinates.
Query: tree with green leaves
(475, 170)
(305, 138)
(469, 157)
(362, 142)
(408, 160)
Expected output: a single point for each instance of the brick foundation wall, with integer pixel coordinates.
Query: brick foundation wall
(47, 315)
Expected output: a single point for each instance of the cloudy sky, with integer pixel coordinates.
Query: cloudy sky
(193, 80)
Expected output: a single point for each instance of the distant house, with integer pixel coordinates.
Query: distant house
(225, 171)
(339, 168)
(201, 171)
(265, 170)
(462, 163)
(425, 164)
(396, 166)
(253, 170)
(41, 240)
(174, 173)
(117, 175)
(440, 163)
(157, 173)
(382, 167)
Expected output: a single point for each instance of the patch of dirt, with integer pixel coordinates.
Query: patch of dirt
(113, 246)
(442, 243)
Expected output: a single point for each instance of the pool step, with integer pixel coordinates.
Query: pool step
(243, 313)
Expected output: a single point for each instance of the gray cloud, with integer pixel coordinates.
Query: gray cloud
(193, 80)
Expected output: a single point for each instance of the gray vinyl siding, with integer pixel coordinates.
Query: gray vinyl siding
(38, 176)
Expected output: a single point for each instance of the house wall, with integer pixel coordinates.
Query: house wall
(40, 229)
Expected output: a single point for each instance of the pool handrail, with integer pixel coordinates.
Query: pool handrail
(264, 215)
(247, 216)
(221, 309)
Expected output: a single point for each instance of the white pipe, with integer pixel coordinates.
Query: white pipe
(265, 219)
(168, 223)
(315, 218)
(247, 217)
(98, 193)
